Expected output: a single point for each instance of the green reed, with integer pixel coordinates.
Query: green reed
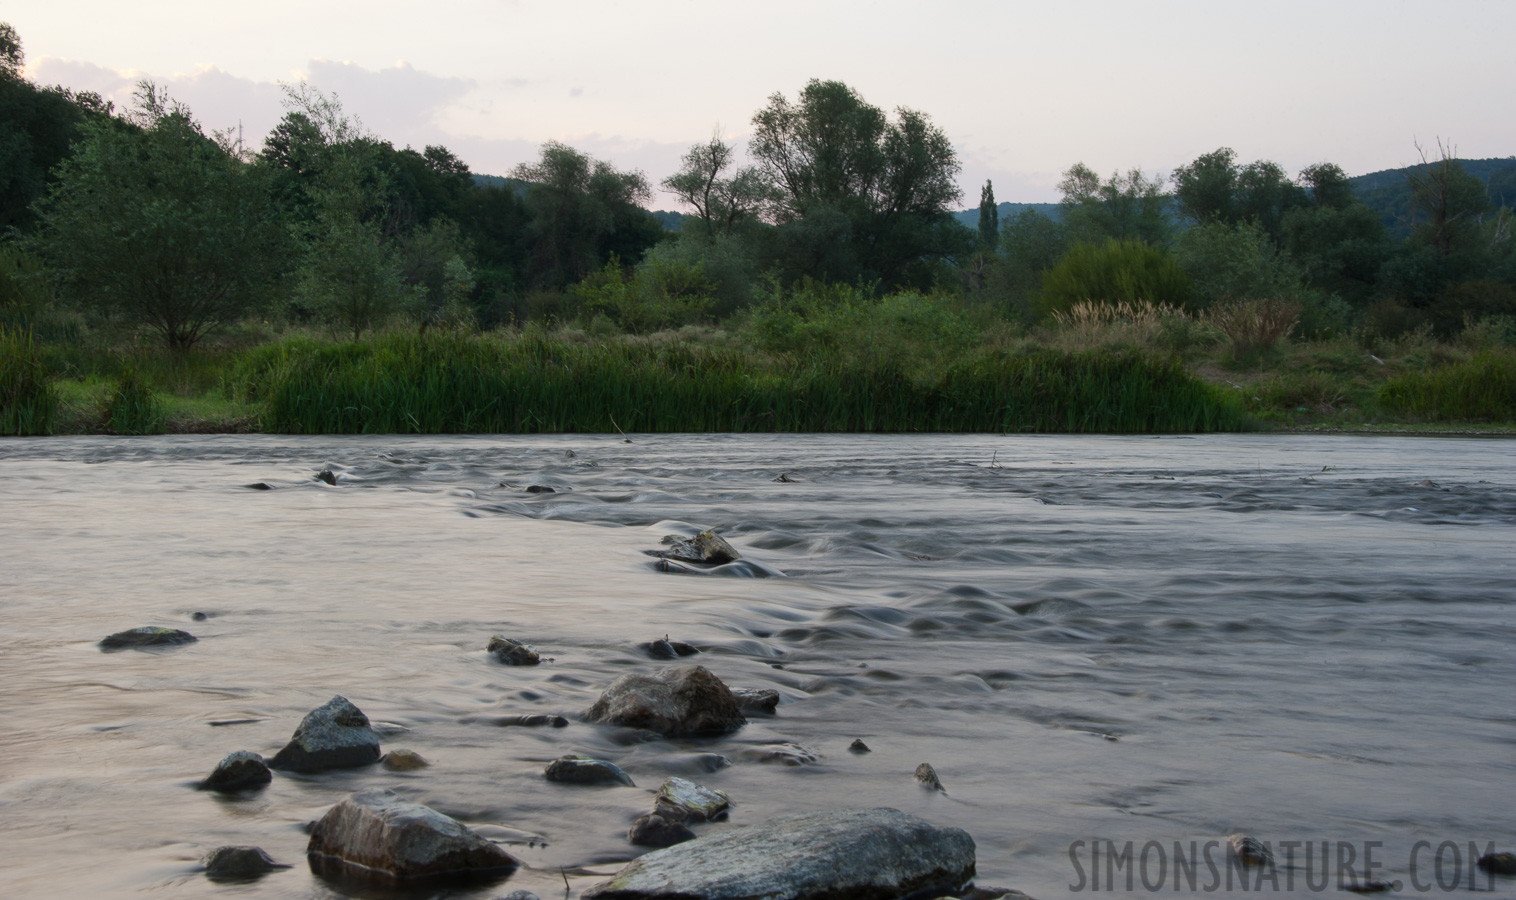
(28, 397)
(402, 383)
(1479, 389)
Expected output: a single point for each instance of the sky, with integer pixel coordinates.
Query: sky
(1023, 90)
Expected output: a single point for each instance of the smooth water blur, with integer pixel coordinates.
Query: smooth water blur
(1090, 638)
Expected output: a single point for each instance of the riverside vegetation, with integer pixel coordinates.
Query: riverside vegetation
(154, 277)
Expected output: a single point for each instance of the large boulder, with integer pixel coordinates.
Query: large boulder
(857, 854)
(147, 636)
(334, 736)
(379, 833)
(239, 771)
(677, 700)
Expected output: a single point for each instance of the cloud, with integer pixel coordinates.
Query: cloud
(400, 104)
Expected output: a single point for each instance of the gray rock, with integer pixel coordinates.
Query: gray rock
(858, 746)
(788, 754)
(239, 771)
(653, 830)
(239, 864)
(404, 841)
(756, 700)
(663, 648)
(682, 800)
(1498, 863)
(334, 736)
(705, 547)
(512, 653)
(928, 777)
(1249, 850)
(677, 700)
(147, 636)
(857, 854)
(574, 769)
(525, 895)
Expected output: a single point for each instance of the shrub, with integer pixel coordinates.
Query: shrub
(1253, 326)
(1115, 272)
(133, 408)
(662, 292)
(28, 398)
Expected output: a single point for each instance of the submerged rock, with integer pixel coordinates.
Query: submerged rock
(1249, 850)
(667, 649)
(334, 736)
(858, 854)
(1498, 863)
(928, 777)
(522, 895)
(653, 830)
(512, 653)
(756, 700)
(676, 700)
(540, 489)
(789, 754)
(532, 721)
(405, 841)
(147, 636)
(328, 476)
(682, 800)
(574, 769)
(404, 761)
(239, 864)
(199, 616)
(705, 547)
(239, 771)
(858, 746)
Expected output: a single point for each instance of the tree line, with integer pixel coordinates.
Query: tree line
(145, 217)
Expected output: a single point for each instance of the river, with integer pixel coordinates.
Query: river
(1091, 639)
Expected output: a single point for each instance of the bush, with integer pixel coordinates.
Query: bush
(1253, 326)
(1229, 263)
(905, 329)
(1480, 389)
(28, 398)
(133, 408)
(1115, 272)
(662, 292)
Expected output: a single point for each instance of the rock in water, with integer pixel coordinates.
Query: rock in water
(334, 736)
(928, 777)
(574, 769)
(239, 864)
(653, 830)
(663, 648)
(682, 800)
(705, 547)
(756, 700)
(404, 761)
(148, 636)
(858, 854)
(328, 476)
(406, 841)
(677, 700)
(513, 653)
(1498, 863)
(858, 746)
(238, 772)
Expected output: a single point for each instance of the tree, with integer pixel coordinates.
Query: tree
(1214, 188)
(158, 224)
(583, 210)
(1128, 207)
(721, 203)
(1449, 199)
(11, 55)
(349, 275)
(989, 216)
(842, 171)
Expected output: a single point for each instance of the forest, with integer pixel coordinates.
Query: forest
(158, 276)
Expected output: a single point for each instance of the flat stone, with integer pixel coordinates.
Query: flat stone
(530, 721)
(512, 653)
(856, 854)
(676, 700)
(239, 771)
(682, 800)
(756, 700)
(788, 754)
(239, 864)
(574, 769)
(706, 547)
(334, 736)
(376, 832)
(147, 636)
(404, 761)
(653, 830)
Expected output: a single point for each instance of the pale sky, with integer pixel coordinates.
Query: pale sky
(1023, 90)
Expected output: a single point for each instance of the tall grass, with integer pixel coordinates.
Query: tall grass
(133, 408)
(28, 398)
(405, 383)
(1482, 388)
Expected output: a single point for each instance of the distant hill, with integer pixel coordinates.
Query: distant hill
(1388, 193)
(970, 217)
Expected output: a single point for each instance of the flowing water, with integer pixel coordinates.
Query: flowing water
(1090, 638)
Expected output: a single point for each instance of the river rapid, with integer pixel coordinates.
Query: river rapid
(1090, 638)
